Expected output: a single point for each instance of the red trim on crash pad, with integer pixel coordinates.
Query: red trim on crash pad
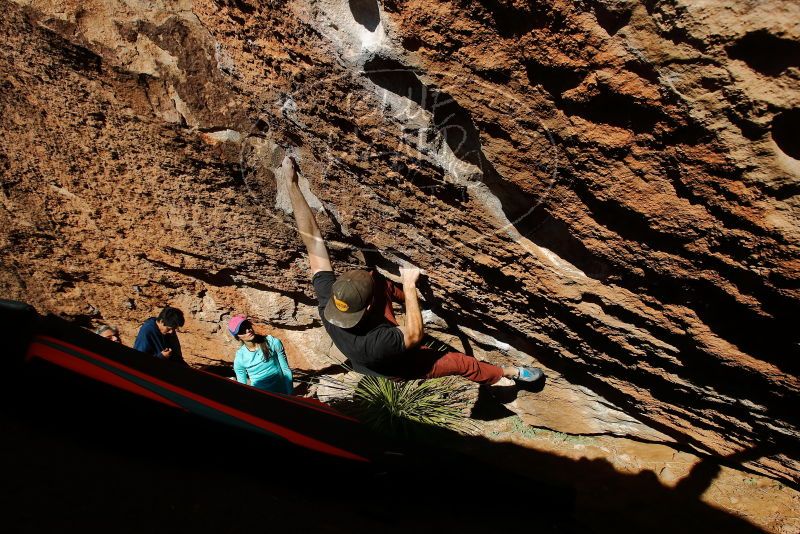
(76, 364)
(82, 367)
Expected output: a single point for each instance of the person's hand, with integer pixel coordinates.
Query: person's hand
(166, 352)
(409, 275)
(289, 168)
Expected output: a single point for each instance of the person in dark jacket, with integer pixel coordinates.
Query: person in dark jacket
(158, 337)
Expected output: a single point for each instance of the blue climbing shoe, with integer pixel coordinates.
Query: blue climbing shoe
(529, 374)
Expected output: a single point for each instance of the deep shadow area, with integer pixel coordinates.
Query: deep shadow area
(615, 109)
(412, 43)
(554, 79)
(610, 20)
(766, 53)
(607, 107)
(224, 370)
(515, 19)
(70, 55)
(489, 406)
(785, 127)
(366, 12)
(102, 459)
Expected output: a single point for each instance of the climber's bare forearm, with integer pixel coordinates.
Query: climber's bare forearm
(414, 329)
(307, 226)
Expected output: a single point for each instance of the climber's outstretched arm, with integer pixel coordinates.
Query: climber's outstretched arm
(306, 223)
(414, 329)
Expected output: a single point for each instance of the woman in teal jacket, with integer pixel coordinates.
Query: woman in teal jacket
(260, 359)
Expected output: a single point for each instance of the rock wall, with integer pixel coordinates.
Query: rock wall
(608, 189)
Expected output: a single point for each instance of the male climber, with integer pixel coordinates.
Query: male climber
(158, 336)
(356, 309)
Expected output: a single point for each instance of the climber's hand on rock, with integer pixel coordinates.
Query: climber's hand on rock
(409, 275)
(289, 167)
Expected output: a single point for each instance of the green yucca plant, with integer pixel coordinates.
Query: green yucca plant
(399, 408)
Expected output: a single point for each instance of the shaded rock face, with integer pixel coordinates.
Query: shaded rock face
(609, 189)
